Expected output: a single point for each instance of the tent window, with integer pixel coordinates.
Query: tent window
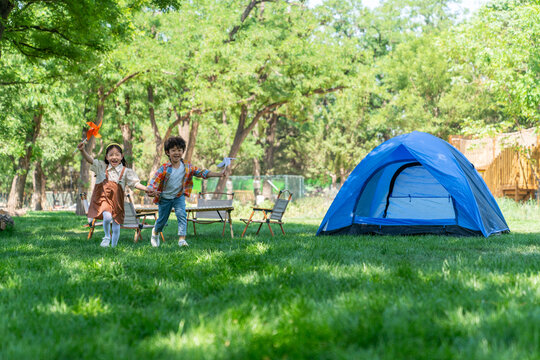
(416, 194)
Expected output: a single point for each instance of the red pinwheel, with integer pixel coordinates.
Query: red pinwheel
(93, 131)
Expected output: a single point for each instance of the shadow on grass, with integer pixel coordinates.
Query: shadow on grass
(314, 294)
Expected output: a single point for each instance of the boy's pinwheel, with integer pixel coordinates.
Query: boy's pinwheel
(226, 162)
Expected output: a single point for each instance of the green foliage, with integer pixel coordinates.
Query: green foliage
(401, 66)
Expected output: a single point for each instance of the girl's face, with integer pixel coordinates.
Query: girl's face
(114, 157)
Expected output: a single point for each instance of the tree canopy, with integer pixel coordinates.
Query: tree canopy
(282, 85)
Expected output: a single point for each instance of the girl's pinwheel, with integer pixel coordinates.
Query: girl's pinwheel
(93, 131)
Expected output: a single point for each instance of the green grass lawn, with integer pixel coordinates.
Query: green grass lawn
(288, 297)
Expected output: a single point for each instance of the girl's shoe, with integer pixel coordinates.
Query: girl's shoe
(105, 242)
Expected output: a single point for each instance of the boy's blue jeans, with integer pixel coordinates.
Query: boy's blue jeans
(164, 210)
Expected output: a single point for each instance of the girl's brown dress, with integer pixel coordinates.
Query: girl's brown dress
(108, 196)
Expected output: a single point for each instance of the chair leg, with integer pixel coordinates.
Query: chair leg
(269, 227)
(91, 231)
(137, 235)
(162, 237)
(248, 222)
(224, 224)
(283, 231)
(259, 229)
(230, 225)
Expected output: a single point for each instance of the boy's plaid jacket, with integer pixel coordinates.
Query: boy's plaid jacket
(162, 175)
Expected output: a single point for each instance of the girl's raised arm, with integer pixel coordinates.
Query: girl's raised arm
(85, 155)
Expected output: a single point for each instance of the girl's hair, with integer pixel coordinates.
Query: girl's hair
(117, 147)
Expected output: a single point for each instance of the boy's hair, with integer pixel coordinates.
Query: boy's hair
(175, 141)
(114, 146)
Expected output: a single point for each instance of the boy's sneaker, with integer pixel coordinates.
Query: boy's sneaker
(182, 243)
(105, 242)
(154, 240)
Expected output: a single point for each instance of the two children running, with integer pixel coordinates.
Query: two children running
(169, 186)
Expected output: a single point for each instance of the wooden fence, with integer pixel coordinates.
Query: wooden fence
(514, 173)
(483, 152)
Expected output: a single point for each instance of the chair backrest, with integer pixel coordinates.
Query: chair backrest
(213, 215)
(280, 206)
(130, 215)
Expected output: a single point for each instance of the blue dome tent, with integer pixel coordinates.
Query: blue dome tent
(414, 184)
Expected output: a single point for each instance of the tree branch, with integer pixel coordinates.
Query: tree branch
(117, 85)
(40, 28)
(244, 16)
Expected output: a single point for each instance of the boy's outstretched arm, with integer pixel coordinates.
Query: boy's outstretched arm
(216, 174)
(85, 155)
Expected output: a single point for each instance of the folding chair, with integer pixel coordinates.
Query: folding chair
(276, 214)
(210, 217)
(131, 219)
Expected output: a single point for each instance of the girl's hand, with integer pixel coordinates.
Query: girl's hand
(151, 192)
(81, 146)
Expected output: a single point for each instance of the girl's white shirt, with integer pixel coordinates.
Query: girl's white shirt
(99, 167)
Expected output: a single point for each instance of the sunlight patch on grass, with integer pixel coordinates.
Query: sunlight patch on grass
(11, 282)
(467, 321)
(258, 248)
(250, 278)
(208, 257)
(84, 306)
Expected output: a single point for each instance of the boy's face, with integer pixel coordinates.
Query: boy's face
(175, 154)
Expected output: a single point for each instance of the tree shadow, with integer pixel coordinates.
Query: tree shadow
(373, 291)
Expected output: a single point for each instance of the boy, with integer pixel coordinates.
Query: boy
(171, 184)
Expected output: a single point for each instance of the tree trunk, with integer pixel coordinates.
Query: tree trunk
(192, 140)
(38, 196)
(256, 177)
(85, 181)
(183, 127)
(16, 194)
(271, 144)
(5, 8)
(157, 137)
(242, 131)
(127, 140)
(334, 181)
(127, 133)
(342, 176)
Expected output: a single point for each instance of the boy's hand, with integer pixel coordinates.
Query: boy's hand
(151, 191)
(80, 147)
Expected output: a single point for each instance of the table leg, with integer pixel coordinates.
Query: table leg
(230, 223)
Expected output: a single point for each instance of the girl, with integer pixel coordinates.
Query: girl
(112, 176)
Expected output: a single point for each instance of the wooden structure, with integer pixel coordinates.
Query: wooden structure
(509, 163)
(514, 174)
